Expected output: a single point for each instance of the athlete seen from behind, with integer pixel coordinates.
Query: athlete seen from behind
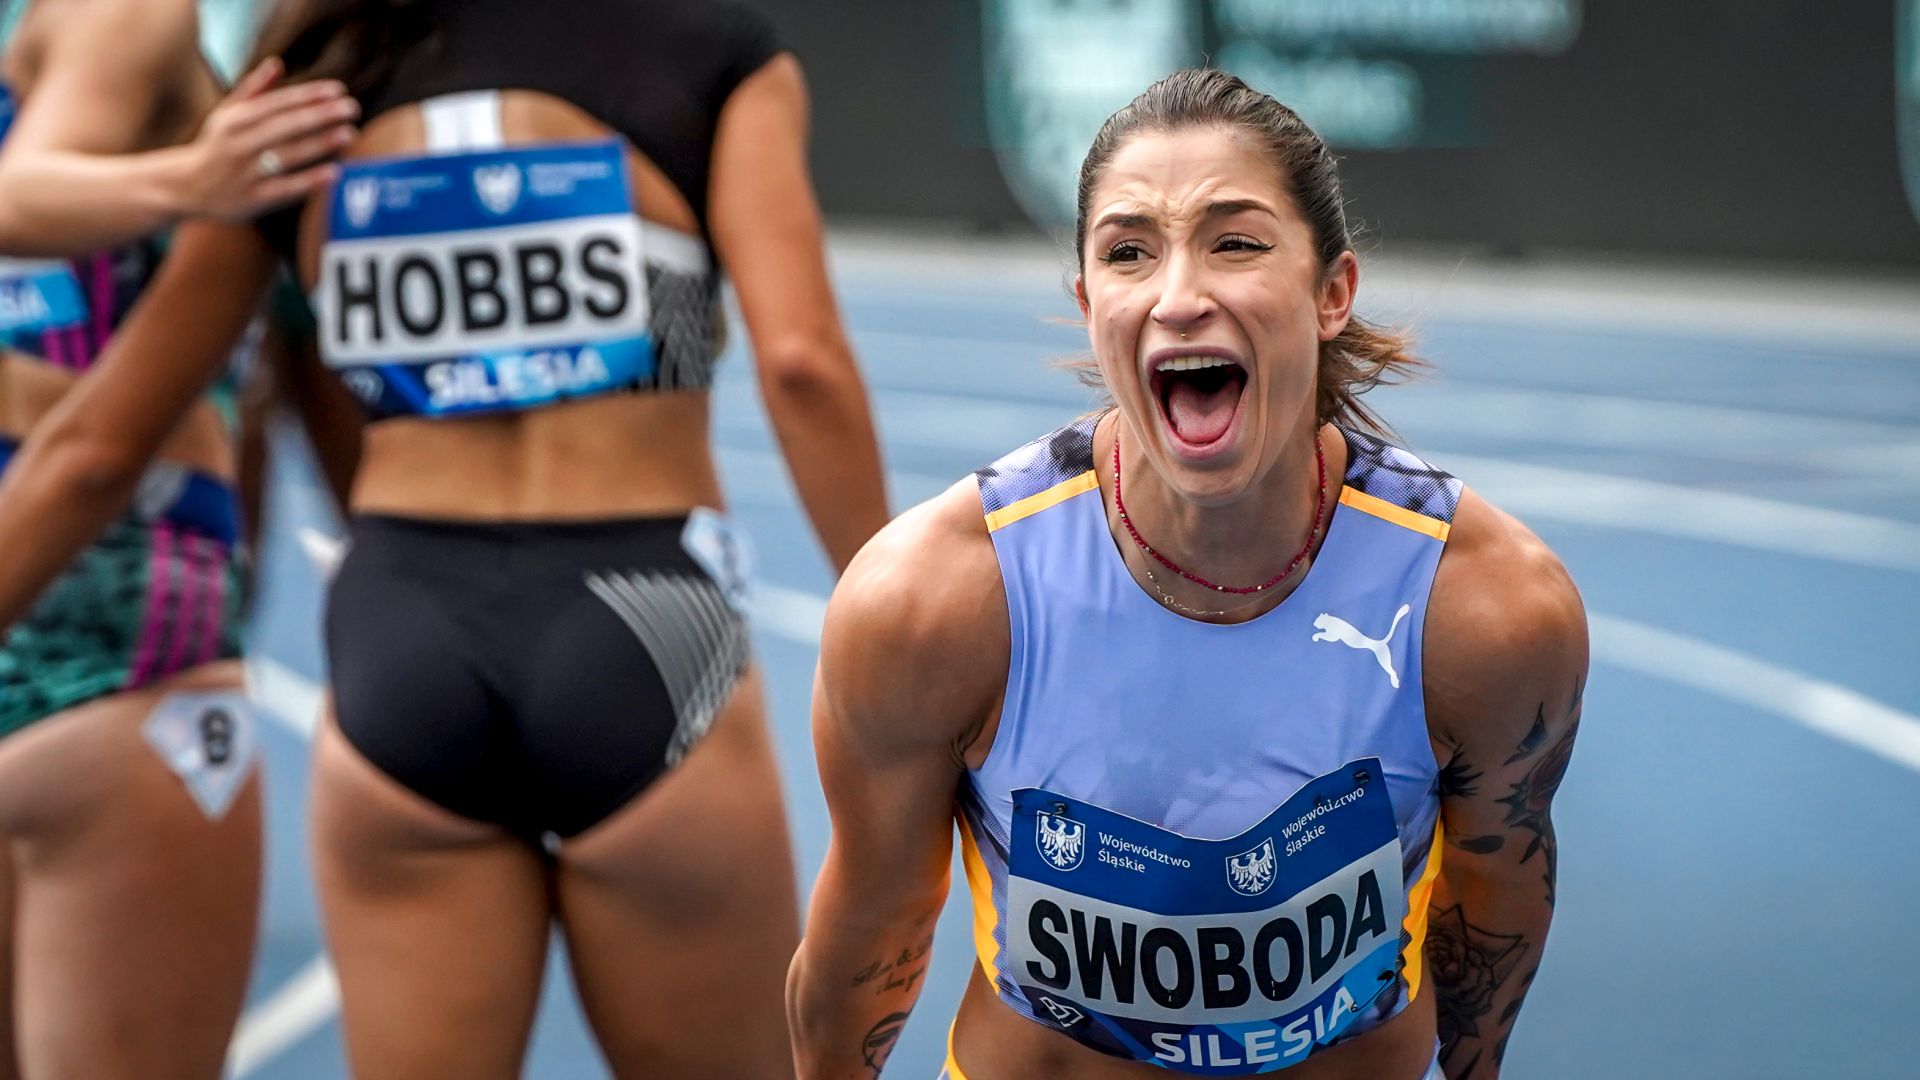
(544, 707)
(131, 875)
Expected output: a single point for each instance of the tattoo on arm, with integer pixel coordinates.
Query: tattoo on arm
(1471, 966)
(899, 971)
(877, 1045)
(1459, 780)
(1531, 799)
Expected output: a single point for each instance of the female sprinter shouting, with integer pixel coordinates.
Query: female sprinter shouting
(130, 876)
(1253, 718)
(544, 706)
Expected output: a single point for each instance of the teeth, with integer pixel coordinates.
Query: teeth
(1191, 363)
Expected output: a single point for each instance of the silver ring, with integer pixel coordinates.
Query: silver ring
(270, 163)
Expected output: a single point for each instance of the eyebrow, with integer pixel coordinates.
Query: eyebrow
(1124, 221)
(1230, 207)
(1219, 209)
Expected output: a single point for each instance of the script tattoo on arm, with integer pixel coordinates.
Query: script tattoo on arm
(897, 972)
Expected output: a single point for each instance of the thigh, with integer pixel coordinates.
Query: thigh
(437, 925)
(9, 1065)
(680, 913)
(135, 909)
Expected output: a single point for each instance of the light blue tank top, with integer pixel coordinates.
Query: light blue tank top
(1207, 847)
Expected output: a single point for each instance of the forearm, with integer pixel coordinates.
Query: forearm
(62, 204)
(825, 429)
(55, 499)
(853, 983)
(1486, 930)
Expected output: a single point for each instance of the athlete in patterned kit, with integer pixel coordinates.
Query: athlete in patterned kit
(1254, 718)
(130, 878)
(544, 707)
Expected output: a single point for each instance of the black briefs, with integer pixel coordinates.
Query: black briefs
(533, 675)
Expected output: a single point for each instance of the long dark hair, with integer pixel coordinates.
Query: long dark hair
(1364, 355)
(358, 42)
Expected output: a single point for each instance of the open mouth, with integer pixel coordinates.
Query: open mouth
(1199, 397)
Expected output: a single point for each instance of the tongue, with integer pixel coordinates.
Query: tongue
(1201, 416)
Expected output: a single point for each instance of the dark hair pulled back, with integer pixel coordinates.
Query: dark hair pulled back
(358, 42)
(1363, 355)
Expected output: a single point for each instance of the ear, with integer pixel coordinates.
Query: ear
(1080, 294)
(1337, 289)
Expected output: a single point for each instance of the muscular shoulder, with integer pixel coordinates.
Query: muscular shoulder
(106, 55)
(916, 641)
(1506, 634)
(149, 33)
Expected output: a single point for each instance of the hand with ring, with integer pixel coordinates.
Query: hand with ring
(266, 145)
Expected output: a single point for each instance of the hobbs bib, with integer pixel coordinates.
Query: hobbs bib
(485, 282)
(1221, 957)
(36, 294)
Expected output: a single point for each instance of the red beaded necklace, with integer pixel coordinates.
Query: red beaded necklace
(1319, 508)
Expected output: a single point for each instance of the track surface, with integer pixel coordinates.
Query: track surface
(1734, 480)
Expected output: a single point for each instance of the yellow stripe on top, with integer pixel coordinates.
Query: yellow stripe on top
(953, 1063)
(1416, 923)
(980, 884)
(1033, 504)
(1386, 511)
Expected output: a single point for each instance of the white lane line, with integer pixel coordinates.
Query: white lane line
(325, 549)
(1799, 442)
(1540, 492)
(1828, 708)
(307, 1001)
(789, 613)
(1693, 513)
(288, 698)
(311, 997)
(299, 1007)
(988, 278)
(951, 422)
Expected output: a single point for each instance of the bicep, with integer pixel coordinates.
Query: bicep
(97, 85)
(1505, 731)
(762, 212)
(891, 802)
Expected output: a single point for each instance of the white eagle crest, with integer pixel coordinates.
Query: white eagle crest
(1062, 840)
(1251, 872)
(362, 198)
(498, 186)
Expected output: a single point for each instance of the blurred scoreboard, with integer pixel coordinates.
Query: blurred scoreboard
(1772, 128)
(1779, 129)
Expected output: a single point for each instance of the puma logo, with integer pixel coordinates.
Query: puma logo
(1335, 628)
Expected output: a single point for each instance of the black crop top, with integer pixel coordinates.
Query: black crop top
(657, 72)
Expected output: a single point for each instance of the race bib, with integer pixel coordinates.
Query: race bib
(36, 294)
(485, 282)
(207, 739)
(723, 552)
(1215, 957)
